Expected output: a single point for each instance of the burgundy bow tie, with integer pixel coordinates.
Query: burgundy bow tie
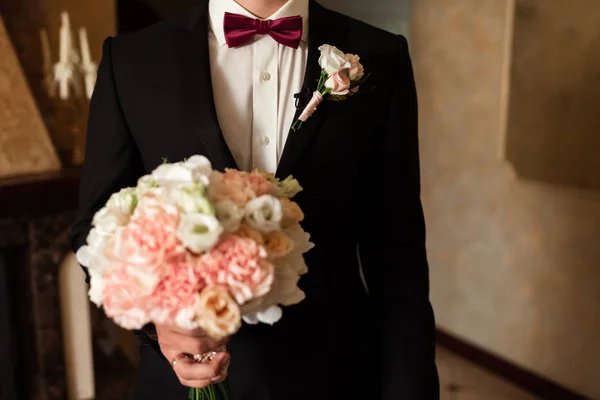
(240, 29)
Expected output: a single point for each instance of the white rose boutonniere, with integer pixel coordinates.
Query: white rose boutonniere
(341, 76)
(332, 59)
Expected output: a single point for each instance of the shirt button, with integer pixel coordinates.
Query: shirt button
(265, 141)
(265, 76)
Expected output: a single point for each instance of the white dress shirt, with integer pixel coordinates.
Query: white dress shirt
(254, 86)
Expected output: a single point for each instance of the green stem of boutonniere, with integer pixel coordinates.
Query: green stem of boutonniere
(321, 89)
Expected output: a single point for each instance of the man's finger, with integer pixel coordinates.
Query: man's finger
(192, 345)
(196, 384)
(190, 371)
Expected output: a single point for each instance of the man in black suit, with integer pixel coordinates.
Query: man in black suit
(366, 327)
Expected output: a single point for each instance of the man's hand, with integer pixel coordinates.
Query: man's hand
(176, 343)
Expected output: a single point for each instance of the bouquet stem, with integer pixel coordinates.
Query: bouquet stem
(220, 391)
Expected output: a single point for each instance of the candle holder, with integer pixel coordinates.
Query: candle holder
(68, 84)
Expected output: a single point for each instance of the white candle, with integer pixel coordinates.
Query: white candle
(89, 67)
(64, 37)
(85, 46)
(61, 67)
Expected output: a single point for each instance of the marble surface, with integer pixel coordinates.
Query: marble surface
(25, 145)
(514, 263)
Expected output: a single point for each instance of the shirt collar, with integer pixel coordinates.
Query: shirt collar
(218, 8)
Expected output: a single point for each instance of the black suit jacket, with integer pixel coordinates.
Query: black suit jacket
(358, 163)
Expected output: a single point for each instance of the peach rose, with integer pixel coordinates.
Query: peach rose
(239, 264)
(292, 213)
(230, 187)
(217, 313)
(246, 231)
(356, 70)
(338, 83)
(259, 184)
(278, 245)
(237, 186)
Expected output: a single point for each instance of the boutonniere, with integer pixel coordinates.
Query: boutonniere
(341, 77)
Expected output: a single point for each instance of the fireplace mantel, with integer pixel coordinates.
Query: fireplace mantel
(39, 195)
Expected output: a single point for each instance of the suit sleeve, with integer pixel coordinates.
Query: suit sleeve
(112, 160)
(393, 248)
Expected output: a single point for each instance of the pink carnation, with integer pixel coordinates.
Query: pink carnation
(177, 289)
(239, 264)
(124, 293)
(148, 236)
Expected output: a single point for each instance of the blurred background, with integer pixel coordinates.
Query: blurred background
(509, 94)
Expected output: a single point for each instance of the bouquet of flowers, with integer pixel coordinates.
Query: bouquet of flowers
(198, 248)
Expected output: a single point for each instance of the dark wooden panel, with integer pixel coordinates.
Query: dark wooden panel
(8, 390)
(39, 195)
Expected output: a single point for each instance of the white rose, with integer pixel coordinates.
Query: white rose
(191, 199)
(270, 315)
(264, 213)
(123, 201)
(85, 255)
(332, 59)
(95, 246)
(199, 232)
(172, 174)
(200, 167)
(144, 184)
(96, 291)
(198, 162)
(108, 220)
(230, 215)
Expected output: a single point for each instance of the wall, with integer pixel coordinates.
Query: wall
(391, 15)
(514, 263)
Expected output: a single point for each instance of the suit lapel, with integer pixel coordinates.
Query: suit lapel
(195, 89)
(321, 31)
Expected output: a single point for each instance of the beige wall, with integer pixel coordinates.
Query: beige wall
(515, 265)
(391, 15)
